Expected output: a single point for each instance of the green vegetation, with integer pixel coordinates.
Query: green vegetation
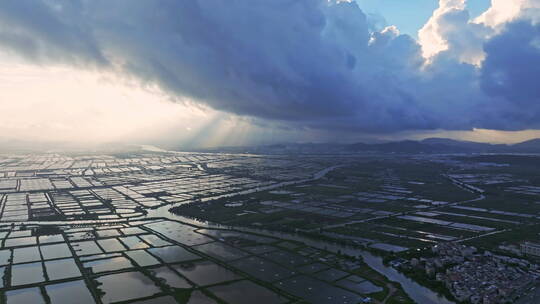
(425, 227)
(419, 276)
(392, 292)
(377, 236)
(513, 236)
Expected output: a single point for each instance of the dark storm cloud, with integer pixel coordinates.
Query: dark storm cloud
(41, 31)
(512, 66)
(308, 63)
(511, 72)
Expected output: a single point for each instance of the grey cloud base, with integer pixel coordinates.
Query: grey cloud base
(305, 63)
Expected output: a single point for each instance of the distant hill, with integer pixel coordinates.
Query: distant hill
(529, 146)
(468, 145)
(406, 146)
(446, 145)
(428, 145)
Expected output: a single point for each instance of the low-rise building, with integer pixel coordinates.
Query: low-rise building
(476, 277)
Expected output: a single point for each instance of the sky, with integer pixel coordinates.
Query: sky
(410, 16)
(232, 72)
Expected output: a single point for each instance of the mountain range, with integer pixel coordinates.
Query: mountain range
(446, 145)
(429, 145)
